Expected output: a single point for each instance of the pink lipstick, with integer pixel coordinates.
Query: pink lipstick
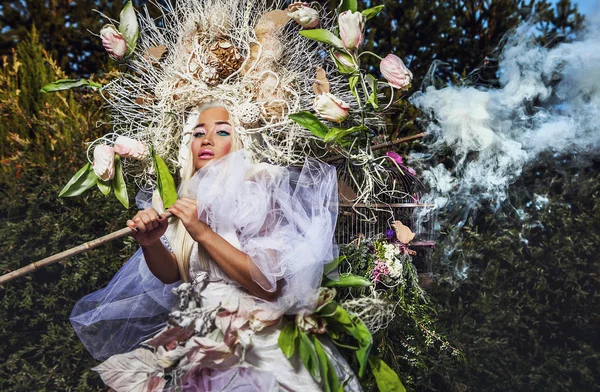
(206, 154)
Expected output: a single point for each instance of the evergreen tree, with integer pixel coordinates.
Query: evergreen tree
(462, 34)
(68, 30)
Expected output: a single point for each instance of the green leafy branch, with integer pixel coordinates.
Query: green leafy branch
(86, 178)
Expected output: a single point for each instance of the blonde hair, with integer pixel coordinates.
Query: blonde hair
(181, 241)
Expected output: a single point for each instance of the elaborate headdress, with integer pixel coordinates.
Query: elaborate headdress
(265, 65)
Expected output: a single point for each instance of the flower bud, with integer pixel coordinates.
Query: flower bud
(344, 62)
(104, 162)
(303, 14)
(130, 148)
(395, 72)
(331, 107)
(352, 25)
(113, 41)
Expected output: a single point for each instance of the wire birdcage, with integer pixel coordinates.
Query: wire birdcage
(368, 207)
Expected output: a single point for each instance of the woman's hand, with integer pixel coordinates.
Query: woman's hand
(187, 211)
(148, 226)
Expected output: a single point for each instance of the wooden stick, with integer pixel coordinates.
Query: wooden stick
(68, 253)
(381, 145)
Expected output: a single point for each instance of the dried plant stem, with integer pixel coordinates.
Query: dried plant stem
(68, 253)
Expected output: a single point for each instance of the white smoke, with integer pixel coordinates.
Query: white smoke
(548, 99)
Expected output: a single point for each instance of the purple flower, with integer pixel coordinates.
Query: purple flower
(398, 160)
(390, 234)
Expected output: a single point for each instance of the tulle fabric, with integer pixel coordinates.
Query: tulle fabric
(283, 219)
(237, 379)
(132, 308)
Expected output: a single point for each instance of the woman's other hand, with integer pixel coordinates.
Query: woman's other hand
(148, 226)
(186, 210)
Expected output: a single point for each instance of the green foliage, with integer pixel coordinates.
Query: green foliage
(387, 380)
(310, 122)
(67, 84)
(63, 30)
(118, 183)
(164, 180)
(288, 339)
(460, 34)
(410, 342)
(83, 180)
(526, 317)
(42, 138)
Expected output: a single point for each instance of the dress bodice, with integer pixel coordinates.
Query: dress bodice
(215, 273)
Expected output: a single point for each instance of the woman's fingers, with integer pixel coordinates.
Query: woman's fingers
(185, 209)
(146, 220)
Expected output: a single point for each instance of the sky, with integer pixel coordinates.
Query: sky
(587, 7)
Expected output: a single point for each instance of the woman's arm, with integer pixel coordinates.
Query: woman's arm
(149, 227)
(234, 262)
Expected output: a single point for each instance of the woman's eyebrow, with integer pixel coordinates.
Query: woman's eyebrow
(216, 123)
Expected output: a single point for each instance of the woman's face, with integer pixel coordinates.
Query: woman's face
(212, 136)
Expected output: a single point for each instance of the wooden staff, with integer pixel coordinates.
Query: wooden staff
(381, 145)
(68, 253)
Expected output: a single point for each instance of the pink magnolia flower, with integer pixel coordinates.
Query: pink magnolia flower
(398, 160)
(395, 72)
(130, 148)
(352, 26)
(303, 14)
(331, 107)
(113, 41)
(104, 162)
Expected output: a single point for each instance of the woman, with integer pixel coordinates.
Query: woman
(251, 241)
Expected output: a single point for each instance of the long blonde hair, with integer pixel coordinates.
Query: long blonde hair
(181, 241)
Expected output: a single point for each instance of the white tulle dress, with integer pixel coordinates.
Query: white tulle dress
(219, 337)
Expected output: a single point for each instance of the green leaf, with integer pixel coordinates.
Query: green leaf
(372, 83)
(349, 280)
(310, 122)
(118, 183)
(67, 84)
(348, 5)
(83, 180)
(287, 339)
(104, 186)
(164, 180)
(354, 326)
(322, 35)
(331, 382)
(335, 134)
(328, 310)
(372, 12)
(346, 346)
(128, 26)
(387, 379)
(308, 355)
(353, 81)
(332, 265)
